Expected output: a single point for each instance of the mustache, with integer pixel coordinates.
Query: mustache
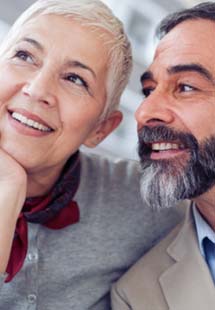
(148, 135)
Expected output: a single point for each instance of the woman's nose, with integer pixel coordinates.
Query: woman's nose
(40, 88)
(154, 110)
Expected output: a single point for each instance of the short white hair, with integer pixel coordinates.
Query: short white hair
(96, 14)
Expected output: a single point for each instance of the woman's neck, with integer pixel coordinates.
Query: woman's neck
(40, 183)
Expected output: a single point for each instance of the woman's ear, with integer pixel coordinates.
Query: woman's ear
(103, 129)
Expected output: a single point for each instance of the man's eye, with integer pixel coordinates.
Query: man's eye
(76, 79)
(24, 56)
(186, 88)
(147, 91)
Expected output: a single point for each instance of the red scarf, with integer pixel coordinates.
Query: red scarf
(56, 210)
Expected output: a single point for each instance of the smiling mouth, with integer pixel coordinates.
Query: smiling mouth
(28, 122)
(163, 146)
(161, 150)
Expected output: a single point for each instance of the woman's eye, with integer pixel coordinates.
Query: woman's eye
(147, 91)
(24, 56)
(76, 79)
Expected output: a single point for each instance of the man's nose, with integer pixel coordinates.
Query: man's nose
(40, 88)
(154, 110)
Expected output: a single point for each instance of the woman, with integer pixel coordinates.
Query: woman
(63, 67)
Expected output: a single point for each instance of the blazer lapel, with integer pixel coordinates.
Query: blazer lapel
(187, 284)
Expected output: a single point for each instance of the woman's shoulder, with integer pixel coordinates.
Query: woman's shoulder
(108, 165)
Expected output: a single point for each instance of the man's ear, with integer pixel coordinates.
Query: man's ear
(103, 129)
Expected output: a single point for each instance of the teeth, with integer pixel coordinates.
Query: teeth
(155, 146)
(29, 122)
(165, 146)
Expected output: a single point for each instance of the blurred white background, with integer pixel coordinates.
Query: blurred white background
(140, 18)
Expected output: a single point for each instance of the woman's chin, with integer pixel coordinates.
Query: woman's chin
(24, 158)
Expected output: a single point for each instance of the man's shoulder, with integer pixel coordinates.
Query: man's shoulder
(157, 259)
(143, 277)
(152, 263)
(145, 274)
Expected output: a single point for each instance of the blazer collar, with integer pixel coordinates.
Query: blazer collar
(187, 284)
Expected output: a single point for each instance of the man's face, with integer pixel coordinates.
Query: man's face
(176, 119)
(52, 93)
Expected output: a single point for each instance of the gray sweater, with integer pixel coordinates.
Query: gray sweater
(73, 268)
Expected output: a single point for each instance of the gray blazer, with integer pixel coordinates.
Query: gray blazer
(173, 275)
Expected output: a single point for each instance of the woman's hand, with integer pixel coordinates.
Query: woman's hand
(13, 186)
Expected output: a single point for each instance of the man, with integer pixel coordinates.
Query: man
(64, 214)
(176, 147)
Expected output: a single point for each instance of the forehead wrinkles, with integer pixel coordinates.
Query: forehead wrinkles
(65, 51)
(168, 48)
(168, 56)
(197, 36)
(37, 26)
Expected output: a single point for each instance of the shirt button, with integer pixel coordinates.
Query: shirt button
(32, 256)
(32, 298)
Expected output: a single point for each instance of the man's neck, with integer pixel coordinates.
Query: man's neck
(206, 206)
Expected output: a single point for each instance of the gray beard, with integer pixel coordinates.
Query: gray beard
(162, 185)
(165, 182)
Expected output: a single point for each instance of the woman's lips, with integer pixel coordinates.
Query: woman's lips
(29, 119)
(28, 124)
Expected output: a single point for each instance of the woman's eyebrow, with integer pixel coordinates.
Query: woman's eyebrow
(69, 63)
(78, 64)
(33, 42)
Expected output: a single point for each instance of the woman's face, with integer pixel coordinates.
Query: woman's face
(52, 91)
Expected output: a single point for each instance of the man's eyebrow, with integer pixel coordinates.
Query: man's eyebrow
(78, 64)
(146, 76)
(193, 67)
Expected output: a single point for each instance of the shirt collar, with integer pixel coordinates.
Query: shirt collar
(203, 229)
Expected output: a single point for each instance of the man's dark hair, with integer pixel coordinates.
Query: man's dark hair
(205, 10)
